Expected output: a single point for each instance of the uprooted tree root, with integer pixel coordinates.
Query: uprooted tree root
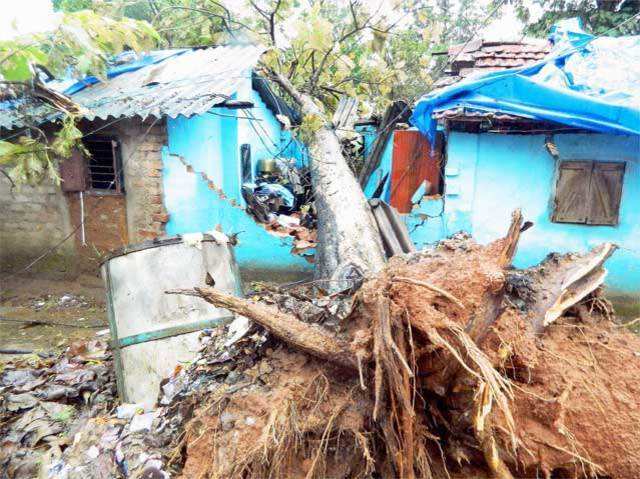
(435, 373)
(307, 426)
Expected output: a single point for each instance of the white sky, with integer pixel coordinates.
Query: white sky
(508, 26)
(27, 16)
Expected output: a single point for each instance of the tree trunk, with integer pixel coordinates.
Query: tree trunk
(349, 242)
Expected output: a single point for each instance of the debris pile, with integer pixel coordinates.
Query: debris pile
(282, 200)
(44, 400)
(132, 442)
(448, 364)
(300, 226)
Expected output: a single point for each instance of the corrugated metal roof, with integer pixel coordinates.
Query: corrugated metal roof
(188, 83)
(345, 115)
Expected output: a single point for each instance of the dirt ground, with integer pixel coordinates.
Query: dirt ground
(67, 310)
(77, 306)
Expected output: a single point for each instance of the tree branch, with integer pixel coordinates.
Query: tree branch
(357, 28)
(309, 338)
(226, 21)
(272, 22)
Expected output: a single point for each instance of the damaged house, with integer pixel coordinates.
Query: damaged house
(552, 129)
(176, 142)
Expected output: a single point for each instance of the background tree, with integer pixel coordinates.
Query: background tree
(180, 23)
(429, 26)
(598, 16)
(81, 43)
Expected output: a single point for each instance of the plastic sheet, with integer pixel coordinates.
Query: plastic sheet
(585, 82)
(129, 63)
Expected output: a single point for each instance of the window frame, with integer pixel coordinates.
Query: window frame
(118, 167)
(589, 217)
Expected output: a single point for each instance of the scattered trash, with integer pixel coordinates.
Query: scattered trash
(141, 422)
(127, 411)
(65, 301)
(93, 452)
(237, 329)
(43, 400)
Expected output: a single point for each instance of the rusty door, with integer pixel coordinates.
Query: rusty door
(413, 161)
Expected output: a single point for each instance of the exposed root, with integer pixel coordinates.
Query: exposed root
(631, 323)
(418, 382)
(321, 451)
(484, 435)
(395, 386)
(306, 337)
(433, 288)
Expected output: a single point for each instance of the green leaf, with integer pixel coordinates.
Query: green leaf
(15, 59)
(8, 151)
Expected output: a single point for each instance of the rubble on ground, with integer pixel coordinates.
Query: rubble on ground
(67, 300)
(447, 364)
(43, 400)
(299, 226)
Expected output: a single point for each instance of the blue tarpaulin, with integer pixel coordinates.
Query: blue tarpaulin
(585, 82)
(129, 62)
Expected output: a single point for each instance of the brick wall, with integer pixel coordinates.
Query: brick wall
(36, 218)
(33, 220)
(142, 158)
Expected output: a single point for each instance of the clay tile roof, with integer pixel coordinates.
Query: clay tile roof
(484, 56)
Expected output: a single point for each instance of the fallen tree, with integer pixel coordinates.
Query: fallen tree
(349, 244)
(436, 373)
(448, 363)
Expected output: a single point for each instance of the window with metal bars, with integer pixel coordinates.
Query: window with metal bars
(105, 164)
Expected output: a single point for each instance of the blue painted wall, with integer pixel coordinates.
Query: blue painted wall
(265, 134)
(369, 134)
(210, 144)
(488, 175)
(378, 174)
(199, 140)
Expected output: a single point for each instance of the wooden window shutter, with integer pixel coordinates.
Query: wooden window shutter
(572, 192)
(73, 172)
(605, 192)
